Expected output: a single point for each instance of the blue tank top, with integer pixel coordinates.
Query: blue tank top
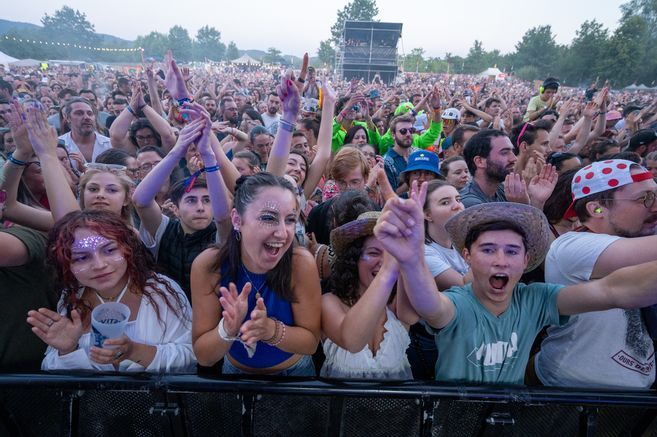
(265, 355)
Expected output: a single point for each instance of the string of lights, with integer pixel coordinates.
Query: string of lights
(77, 46)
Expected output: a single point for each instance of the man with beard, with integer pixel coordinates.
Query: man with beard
(396, 159)
(83, 139)
(615, 202)
(271, 117)
(490, 158)
(229, 114)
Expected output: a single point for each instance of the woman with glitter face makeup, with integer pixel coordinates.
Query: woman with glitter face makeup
(256, 298)
(98, 259)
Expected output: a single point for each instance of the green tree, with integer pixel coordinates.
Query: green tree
(414, 61)
(209, 45)
(70, 26)
(582, 62)
(326, 53)
(477, 59)
(232, 52)
(155, 44)
(625, 61)
(180, 43)
(359, 10)
(273, 55)
(537, 48)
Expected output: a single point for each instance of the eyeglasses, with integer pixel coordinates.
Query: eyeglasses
(404, 130)
(647, 199)
(148, 166)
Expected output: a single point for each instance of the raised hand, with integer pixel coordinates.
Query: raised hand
(173, 79)
(542, 185)
(400, 229)
(328, 93)
(290, 97)
(137, 100)
(301, 81)
(515, 189)
(234, 307)
(43, 136)
(56, 330)
(590, 110)
(259, 327)
(188, 135)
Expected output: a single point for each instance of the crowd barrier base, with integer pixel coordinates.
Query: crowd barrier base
(109, 405)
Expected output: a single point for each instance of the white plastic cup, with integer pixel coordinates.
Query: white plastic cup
(108, 321)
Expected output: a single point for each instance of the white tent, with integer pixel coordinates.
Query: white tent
(25, 63)
(494, 73)
(5, 59)
(245, 60)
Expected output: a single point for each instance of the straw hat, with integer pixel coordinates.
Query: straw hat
(363, 226)
(531, 220)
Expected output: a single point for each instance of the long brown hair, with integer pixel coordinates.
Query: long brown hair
(141, 267)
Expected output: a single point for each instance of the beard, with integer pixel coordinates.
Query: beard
(496, 172)
(272, 111)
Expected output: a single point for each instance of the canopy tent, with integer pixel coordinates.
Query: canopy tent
(245, 60)
(493, 72)
(631, 87)
(25, 63)
(5, 59)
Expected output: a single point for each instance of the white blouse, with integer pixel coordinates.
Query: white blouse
(172, 336)
(390, 361)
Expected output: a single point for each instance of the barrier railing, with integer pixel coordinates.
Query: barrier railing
(145, 405)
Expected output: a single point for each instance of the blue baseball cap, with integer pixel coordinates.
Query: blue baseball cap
(423, 160)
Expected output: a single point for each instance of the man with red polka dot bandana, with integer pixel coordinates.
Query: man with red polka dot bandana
(615, 203)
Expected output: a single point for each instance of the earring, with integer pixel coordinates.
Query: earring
(598, 210)
(238, 234)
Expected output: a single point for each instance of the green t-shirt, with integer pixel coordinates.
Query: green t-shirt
(477, 347)
(23, 288)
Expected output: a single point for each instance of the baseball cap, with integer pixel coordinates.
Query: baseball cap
(451, 114)
(642, 137)
(423, 160)
(602, 176)
(614, 115)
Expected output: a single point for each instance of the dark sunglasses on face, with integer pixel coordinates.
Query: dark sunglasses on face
(404, 130)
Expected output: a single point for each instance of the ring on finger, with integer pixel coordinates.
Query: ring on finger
(50, 322)
(118, 355)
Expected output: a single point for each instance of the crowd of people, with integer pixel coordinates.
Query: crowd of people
(291, 223)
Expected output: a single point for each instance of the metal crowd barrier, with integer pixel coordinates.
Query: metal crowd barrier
(147, 405)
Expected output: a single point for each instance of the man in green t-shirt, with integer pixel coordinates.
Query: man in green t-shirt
(484, 331)
(544, 101)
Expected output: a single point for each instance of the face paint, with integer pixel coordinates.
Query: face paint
(269, 214)
(88, 248)
(90, 243)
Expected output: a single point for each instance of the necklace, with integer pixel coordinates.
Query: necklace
(257, 295)
(113, 299)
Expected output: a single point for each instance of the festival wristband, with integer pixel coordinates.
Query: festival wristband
(223, 334)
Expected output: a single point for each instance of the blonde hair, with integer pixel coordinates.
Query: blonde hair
(124, 180)
(346, 160)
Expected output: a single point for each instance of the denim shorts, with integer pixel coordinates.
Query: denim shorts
(303, 367)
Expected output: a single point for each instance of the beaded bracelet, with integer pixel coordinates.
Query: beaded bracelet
(15, 161)
(286, 125)
(276, 329)
(277, 342)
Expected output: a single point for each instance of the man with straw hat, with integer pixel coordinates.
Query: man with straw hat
(484, 330)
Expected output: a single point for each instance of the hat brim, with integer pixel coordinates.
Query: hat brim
(423, 166)
(343, 236)
(531, 220)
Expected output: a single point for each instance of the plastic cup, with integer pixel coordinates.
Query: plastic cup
(108, 321)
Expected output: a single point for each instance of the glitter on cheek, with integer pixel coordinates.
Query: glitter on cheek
(78, 269)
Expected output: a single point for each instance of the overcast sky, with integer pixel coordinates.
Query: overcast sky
(297, 26)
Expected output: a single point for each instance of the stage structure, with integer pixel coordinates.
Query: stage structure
(368, 48)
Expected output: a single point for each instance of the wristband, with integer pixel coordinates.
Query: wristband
(184, 100)
(301, 79)
(211, 169)
(286, 125)
(130, 110)
(223, 334)
(15, 161)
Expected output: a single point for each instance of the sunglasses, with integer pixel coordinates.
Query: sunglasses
(404, 130)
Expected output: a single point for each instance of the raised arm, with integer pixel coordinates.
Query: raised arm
(585, 128)
(144, 196)
(400, 229)
(354, 328)
(153, 91)
(120, 130)
(323, 154)
(628, 288)
(280, 150)
(13, 210)
(44, 142)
